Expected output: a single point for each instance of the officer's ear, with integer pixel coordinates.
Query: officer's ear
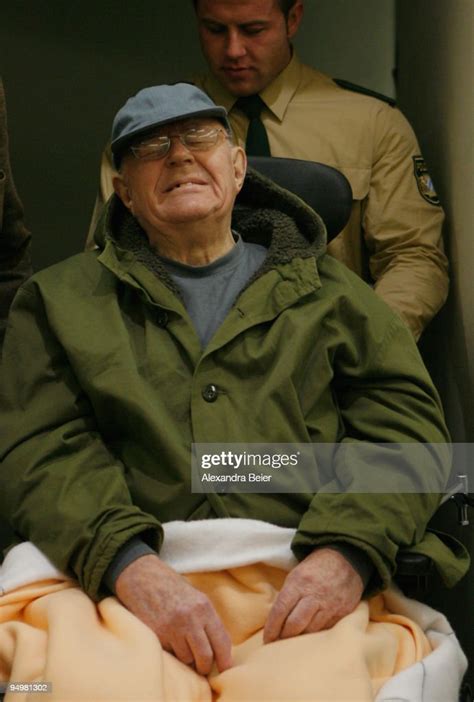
(295, 15)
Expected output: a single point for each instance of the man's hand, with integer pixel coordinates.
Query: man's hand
(183, 618)
(318, 592)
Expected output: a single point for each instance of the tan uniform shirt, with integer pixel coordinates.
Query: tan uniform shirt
(393, 238)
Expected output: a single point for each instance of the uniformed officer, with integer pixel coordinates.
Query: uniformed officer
(278, 105)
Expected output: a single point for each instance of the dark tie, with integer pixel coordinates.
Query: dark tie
(257, 139)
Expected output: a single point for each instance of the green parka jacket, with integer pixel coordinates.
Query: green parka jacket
(104, 391)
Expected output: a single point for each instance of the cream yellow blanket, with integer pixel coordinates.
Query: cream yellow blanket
(50, 631)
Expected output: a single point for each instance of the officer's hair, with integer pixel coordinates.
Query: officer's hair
(285, 6)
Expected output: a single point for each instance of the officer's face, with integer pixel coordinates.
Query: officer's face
(246, 42)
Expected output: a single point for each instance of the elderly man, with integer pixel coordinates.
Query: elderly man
(278, 105)
(199, 321)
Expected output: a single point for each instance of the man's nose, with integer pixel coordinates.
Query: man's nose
(235, 45)
(178, 152)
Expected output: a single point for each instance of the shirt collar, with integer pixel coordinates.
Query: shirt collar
(231, 258)
(280, 92)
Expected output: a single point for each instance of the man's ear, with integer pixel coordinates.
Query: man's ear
(239, 159)
(295, 16)
(121, 189)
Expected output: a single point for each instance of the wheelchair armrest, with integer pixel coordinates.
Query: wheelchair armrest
(413, 573)
(413, 564)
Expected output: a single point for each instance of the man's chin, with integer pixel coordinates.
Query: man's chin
(238, 86)
(189, 215)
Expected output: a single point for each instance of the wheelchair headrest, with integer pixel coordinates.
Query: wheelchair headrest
(325, 189)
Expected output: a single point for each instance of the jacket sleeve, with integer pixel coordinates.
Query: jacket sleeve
(60, 485)
(394, 457)
(402, 222)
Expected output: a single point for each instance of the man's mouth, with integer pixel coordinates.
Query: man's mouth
(184, 185)
(236, 71)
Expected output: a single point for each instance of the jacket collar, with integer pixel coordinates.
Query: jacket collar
(263, 213)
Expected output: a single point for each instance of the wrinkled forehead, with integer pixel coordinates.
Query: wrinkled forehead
(182, 125)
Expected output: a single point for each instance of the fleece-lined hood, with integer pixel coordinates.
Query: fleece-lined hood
(264, 213)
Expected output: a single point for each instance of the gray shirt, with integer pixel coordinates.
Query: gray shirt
(210, 291)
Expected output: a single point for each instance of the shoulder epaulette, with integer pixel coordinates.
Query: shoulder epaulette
(347, 85)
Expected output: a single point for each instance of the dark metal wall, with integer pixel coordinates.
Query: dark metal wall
(436, 61)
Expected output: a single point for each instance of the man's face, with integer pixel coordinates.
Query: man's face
(246, 42)
(186, 185)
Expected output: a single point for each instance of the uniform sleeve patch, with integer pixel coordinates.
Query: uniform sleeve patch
(424, 182)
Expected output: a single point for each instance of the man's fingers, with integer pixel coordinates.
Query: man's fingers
(321, 620)
(182, 651)
(300, 617)
(203, 654)
(282, 606)
(203, 646)
(221, 644)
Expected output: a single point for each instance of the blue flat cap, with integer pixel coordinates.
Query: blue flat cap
(160, 104)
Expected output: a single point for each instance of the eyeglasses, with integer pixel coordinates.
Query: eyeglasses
(202, 139)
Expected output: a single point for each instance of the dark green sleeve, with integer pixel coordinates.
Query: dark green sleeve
(387, 402)
(60, 485)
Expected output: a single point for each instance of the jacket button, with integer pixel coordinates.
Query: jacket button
(162, 318)
(3, 175)
(210, 393)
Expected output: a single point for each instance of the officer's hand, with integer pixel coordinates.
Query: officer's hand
(183, 618)
(318, 592)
